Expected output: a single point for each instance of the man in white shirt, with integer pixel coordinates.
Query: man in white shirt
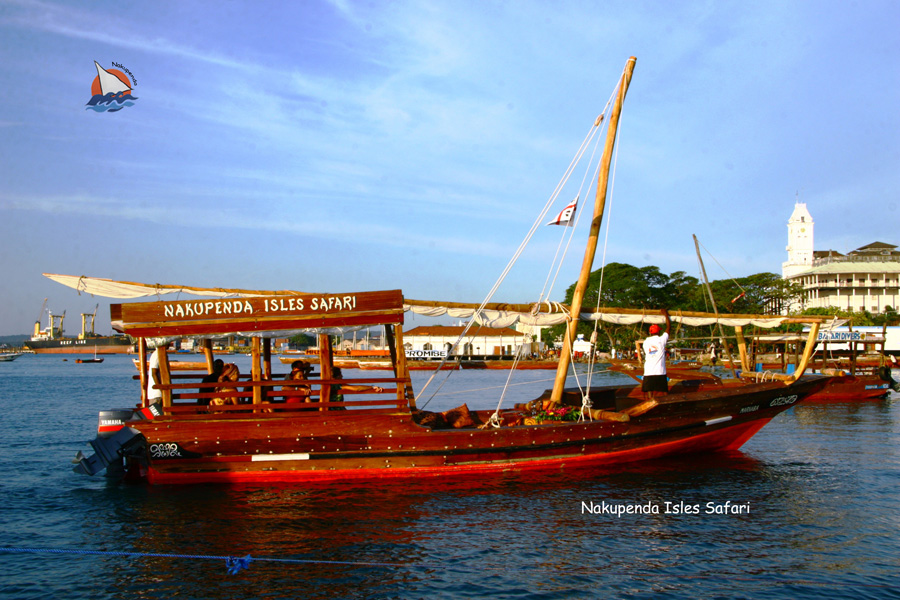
(154, 395)
(655, 381)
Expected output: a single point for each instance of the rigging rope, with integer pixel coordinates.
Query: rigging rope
(558, 267)
(585, 391)
(534, 228)
(555, 267)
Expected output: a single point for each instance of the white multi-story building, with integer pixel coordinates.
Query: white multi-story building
(867, 278)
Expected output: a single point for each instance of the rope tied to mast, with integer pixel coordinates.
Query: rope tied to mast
(586, 406)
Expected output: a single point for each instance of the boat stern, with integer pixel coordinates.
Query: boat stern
(115, 441)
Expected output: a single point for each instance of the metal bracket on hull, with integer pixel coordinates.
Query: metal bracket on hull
(108, 451)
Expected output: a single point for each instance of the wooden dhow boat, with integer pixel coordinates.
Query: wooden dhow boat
(268, 431)
(263, 428)
(861, 377)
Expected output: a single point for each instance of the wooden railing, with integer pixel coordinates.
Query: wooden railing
(194, 398)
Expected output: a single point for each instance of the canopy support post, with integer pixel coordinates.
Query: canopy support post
(398, 353)
(267, 358)
(326, 367)
(255, 371)
(142, 369)
(208, 353)
(742, 348)
(165, 375)
(807, 351)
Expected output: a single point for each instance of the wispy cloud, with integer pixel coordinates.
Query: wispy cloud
(326, 227)
(436, 130)
(103, 26)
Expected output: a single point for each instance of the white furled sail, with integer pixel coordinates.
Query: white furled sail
(496, 315)
(558, 313)
(109, 288)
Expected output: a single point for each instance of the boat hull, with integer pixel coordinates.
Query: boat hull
(851, 388)
(372, 445)
(730, 438)
(501, 364)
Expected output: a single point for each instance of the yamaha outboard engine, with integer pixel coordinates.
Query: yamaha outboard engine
(109, 452)
(115, 440)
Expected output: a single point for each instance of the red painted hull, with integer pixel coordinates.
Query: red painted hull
(522, 365)
(412, 365)
(731, 438)
(381, 444)
(851, 388)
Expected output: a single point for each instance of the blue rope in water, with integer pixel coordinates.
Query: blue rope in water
(232, 563)
(235, 565)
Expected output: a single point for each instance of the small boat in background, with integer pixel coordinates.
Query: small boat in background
(89, 360)
(524, 364)
(179, 365)
(861, 371)
(314, 360)
(852, 388)
(9, 356)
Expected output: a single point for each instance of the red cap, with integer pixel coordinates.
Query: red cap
(654, 329)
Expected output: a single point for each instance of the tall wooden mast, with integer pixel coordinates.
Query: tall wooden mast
(593, 237)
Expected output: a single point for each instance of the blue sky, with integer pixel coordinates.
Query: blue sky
(350, 146)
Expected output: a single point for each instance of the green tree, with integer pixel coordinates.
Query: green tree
(862, 317)
(303, 340)
(627, 286)
(624, 285)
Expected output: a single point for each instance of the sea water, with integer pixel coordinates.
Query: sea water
(808, 508)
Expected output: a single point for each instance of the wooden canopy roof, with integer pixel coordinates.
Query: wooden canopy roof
(257, 315)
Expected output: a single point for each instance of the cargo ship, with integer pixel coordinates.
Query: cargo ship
(51, 339)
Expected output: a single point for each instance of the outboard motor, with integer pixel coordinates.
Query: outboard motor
(109, 452)
(115, 440)
(111, 421)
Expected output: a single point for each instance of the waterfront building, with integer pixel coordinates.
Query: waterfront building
(867, 278)
(479, 341)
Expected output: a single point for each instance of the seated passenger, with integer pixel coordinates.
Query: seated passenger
(218, 366)
(230, 373)
(300, 371)
(336, 389)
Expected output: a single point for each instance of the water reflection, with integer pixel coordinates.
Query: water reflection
(448, 535)
(820, 482)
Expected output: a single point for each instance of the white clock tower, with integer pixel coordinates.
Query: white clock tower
(800, 242)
